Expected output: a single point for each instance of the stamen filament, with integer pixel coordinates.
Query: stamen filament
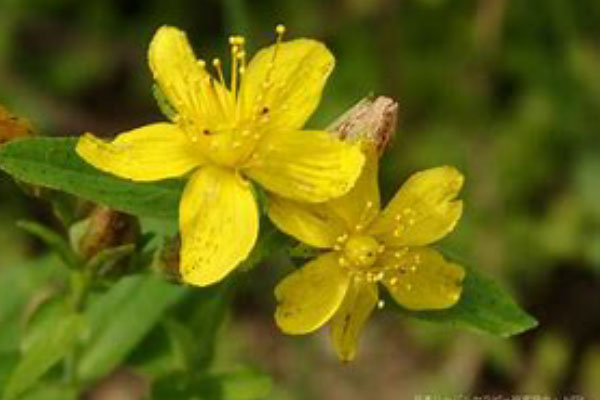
(234, 72)
(217, 64)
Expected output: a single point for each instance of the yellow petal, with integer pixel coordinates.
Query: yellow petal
(423, 211)
(200, 103)
(310, 166)
(218, 220)
(309, 223)
(360, 205)
(308, 297)
(149, 153)
(421, 279)
(348, 321)
(284, 82)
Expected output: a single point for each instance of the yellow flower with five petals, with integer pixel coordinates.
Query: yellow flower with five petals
(226, 136)
(365, 246)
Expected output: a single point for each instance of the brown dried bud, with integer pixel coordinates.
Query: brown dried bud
(371, 120)
(107, 228)
(12, 127)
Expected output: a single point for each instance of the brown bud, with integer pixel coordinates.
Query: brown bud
(12, 127)
(373, 120)
(107, 228)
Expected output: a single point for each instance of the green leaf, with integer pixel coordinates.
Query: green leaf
(186, 340)
(303, 251)
(270, 241)
(209, 311)
(163, 104)
(484, 306)
(17, 284)
(44, 354)
(43, 320)
(51, 391)
(8, 361)
(262, 198)
(55, 241)
(121, 318)
(108, 257)
(239, 385)
(53, 163)
(183, 344)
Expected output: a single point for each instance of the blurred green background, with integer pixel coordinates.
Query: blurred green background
(508, 91)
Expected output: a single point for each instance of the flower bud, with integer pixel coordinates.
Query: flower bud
(107, 228)
(371, 121)
(12, 127)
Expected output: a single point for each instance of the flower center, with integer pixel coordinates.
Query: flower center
(361, 251)
(232, 141)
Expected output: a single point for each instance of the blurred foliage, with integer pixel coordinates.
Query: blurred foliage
(508, 91)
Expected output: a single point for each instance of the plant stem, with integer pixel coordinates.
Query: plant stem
(80, 282)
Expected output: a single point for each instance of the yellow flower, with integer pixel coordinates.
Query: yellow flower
(227, 135)
(366, 246)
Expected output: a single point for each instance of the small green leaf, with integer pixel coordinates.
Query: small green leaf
(42, 320)
(183, 344)
(484, 306)
(44, 354)
(17, 284)
(210, 309)
(163, 104)
(108, 257)
(8, 361)
(303, 251)
(270, 241)
(239, 385)
(186, 340)
(53, 163)
(261, 198)
(51, 391)
(121, 318)
(55, 241)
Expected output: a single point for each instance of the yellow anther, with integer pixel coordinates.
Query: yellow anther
(217, 64)
(236, 40)
(342, 237)
(280, 29)
(202, 64)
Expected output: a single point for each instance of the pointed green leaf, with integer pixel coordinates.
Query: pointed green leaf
(484, 306)
(163, 104)
(108, 257)
(121, 318)
(245, 384)
(53, 163)
(44, 354)
(56, 242)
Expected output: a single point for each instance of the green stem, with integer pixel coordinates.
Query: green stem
(80, 281)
